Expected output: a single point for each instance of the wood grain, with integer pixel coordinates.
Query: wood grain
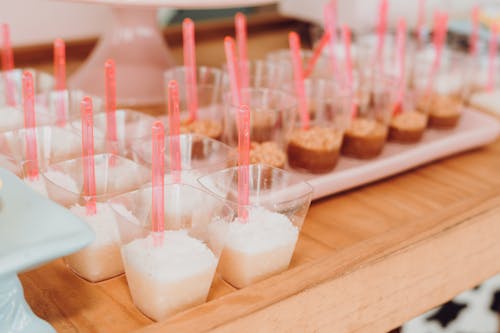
(367, 259)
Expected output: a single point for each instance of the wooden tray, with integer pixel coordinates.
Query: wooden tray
(476, 129)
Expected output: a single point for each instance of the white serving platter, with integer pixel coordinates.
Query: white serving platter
(475, 129)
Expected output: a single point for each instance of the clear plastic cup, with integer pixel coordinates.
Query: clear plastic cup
(11, 164)
(480, 96)
(54, 144)
(283, 57)
(366, 56)
(200, 155)
(210, 119)
(263, 74)
(173, 274)
(42, 82)
(443, 89)
(115, 175)
(262, 245)
(271, 115)
(51, 101)
(367, 134)
(407, 124)
(130, 127)
(317, 149)
(12, 115)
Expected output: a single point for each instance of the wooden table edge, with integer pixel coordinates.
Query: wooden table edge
(243, 309)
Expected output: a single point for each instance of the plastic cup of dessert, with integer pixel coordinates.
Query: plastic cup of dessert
(442, 89)
(316, 33)
(210, 119)
(200, 155)
(11, 111)
(130, 127)
(11, 164)
(262, 73)
(368, 60)
(407, 125)
(272, 113)
(283, 57)
(316, 149)
(114, 175)
(171, 271)
(54, 144)
(261, 245)
(366, 136)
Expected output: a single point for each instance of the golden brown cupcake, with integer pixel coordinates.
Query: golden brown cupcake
(315, 150)
(407, 127)
(364, 139)
(444, 110)
(268, 153)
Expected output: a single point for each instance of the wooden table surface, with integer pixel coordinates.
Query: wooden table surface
(367, 260)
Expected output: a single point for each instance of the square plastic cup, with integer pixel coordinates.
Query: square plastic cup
(13, 79)
(11, 164)
(171, 271)
(115, 175)
(367, 56)
(366, 136)
(407, 124)
(210, 119)
(272, 113)
(54, 144)
(51, 101)
(130, 127)
(200, 155)
(12, 116)
(317, 148)
(443, 89)
(262, 74)
(283, 57)
(263, 244)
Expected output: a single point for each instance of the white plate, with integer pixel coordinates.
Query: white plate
(475, 129)
(182, 4)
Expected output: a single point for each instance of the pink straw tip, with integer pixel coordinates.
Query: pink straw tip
(110, 93)
(189, 52)
(7, 54)
(157, 172)
(243, 160)
(89, 186)
(317, 53)
(174, 128)
(294, 42)
(229, 49)
(60, 64)
(30, 127)
(242, 42)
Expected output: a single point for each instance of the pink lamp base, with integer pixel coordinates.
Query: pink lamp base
(141, 56)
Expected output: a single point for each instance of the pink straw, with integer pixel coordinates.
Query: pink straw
(493, 51)
(294, 41)
(400, 56)
(158, 192)
(475, 31)
(346, 38)
(229, 49)
(316, 54)
(89, 188)
(110, 91)
(60, 80)
(8, 64)
(243, 161)
(381, 28)
(240, 22)
(420, 21)
(439, 39)
(174, 124)
(330, 17)
(30, 126)
(190, 65)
